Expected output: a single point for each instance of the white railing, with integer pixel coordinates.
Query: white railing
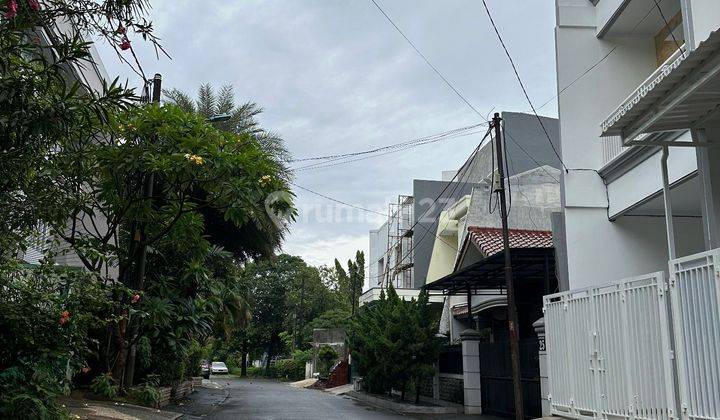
(695, 296)
(609, 351)
(612, 147)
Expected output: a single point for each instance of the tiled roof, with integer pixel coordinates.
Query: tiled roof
(459, 310)
(490, 240)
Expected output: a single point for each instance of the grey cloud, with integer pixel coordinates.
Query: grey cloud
(334, 76)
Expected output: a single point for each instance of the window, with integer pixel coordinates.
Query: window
(381, 271)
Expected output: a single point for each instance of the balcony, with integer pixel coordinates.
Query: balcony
(681, 94)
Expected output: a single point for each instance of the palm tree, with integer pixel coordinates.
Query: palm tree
(255, 238)
(242, 118)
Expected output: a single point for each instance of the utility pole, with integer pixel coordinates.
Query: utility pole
(139, 236)
(509, 285)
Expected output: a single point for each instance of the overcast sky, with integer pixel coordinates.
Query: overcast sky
(335, 77)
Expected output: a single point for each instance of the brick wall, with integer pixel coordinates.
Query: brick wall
(338, 376)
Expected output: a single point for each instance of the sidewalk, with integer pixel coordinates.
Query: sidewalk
(82, 408)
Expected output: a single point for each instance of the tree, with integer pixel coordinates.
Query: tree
(45, 106)
(393, 342)
(350, 282)
(245, 241)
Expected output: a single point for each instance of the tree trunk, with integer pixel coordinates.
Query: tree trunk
(243, 369)
(269, 356)
(121, 344)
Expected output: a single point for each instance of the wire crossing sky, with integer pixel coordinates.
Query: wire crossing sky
(336, 77)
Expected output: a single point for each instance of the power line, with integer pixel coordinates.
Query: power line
(378, 149)
(451, 182)
(522, 85)
(338, 201)
(444, 79)
(516, 143)
(597, 63)
(330, 162)
(667, 24)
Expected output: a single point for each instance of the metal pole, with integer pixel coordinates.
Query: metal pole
(668, 204)
(139, 237)
(512, 310)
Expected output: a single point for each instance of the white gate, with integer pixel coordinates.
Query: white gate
(609, 351)
(695, 296)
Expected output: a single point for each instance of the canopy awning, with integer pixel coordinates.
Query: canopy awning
(679, 95)
(533, 268)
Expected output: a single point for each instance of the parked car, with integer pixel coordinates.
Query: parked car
(218, 368)
(205, 369)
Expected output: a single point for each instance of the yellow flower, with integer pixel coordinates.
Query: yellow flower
(198, 160)
(265, 180)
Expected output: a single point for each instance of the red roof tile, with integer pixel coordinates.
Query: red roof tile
(490, 241)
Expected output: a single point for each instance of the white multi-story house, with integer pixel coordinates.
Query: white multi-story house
(638, 334)
(91, 75)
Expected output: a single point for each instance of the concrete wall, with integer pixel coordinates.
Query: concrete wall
(378, 247)
(534, 196)
(427, 212)
(523, 132)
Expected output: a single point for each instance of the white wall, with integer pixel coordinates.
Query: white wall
(600, 251)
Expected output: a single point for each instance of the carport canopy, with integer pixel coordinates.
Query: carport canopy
(533, 269)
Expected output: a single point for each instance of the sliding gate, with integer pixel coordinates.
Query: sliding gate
(612, 353)
(609, 351)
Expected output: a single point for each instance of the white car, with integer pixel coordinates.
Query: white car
(218, 367)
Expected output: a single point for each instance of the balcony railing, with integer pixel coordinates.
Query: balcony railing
(612, 147)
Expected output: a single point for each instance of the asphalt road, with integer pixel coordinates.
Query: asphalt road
(266, 400)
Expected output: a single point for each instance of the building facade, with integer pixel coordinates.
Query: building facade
(613, 192)
(638, 96)
(91, 76)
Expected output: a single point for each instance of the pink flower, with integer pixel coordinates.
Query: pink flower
(135, 298)
(64, 318)
(125, 45)
(34, 4)
(85, 369)
(11, 9)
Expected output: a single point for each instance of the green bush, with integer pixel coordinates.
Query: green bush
(104, 386)
(289, 369)
(50, 318)
(145, 394)
(194, 357)
(394, 344)
(234, 361)
(326, 359)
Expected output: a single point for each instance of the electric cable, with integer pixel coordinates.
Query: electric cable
(391, 146)
(444, 79)
(522, 85)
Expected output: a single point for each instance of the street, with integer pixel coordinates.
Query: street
(264, 399)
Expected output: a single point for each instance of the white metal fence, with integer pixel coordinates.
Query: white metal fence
(612, 353)
(695, 296)
(609, 351)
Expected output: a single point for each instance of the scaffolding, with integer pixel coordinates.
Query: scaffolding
(399, 255)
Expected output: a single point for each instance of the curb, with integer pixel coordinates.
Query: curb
(401, 407)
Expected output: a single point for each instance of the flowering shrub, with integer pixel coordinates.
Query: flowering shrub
(50, 315)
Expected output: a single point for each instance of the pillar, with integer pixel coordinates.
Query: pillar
(471, 371)
(539, 327)
(708, 160)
